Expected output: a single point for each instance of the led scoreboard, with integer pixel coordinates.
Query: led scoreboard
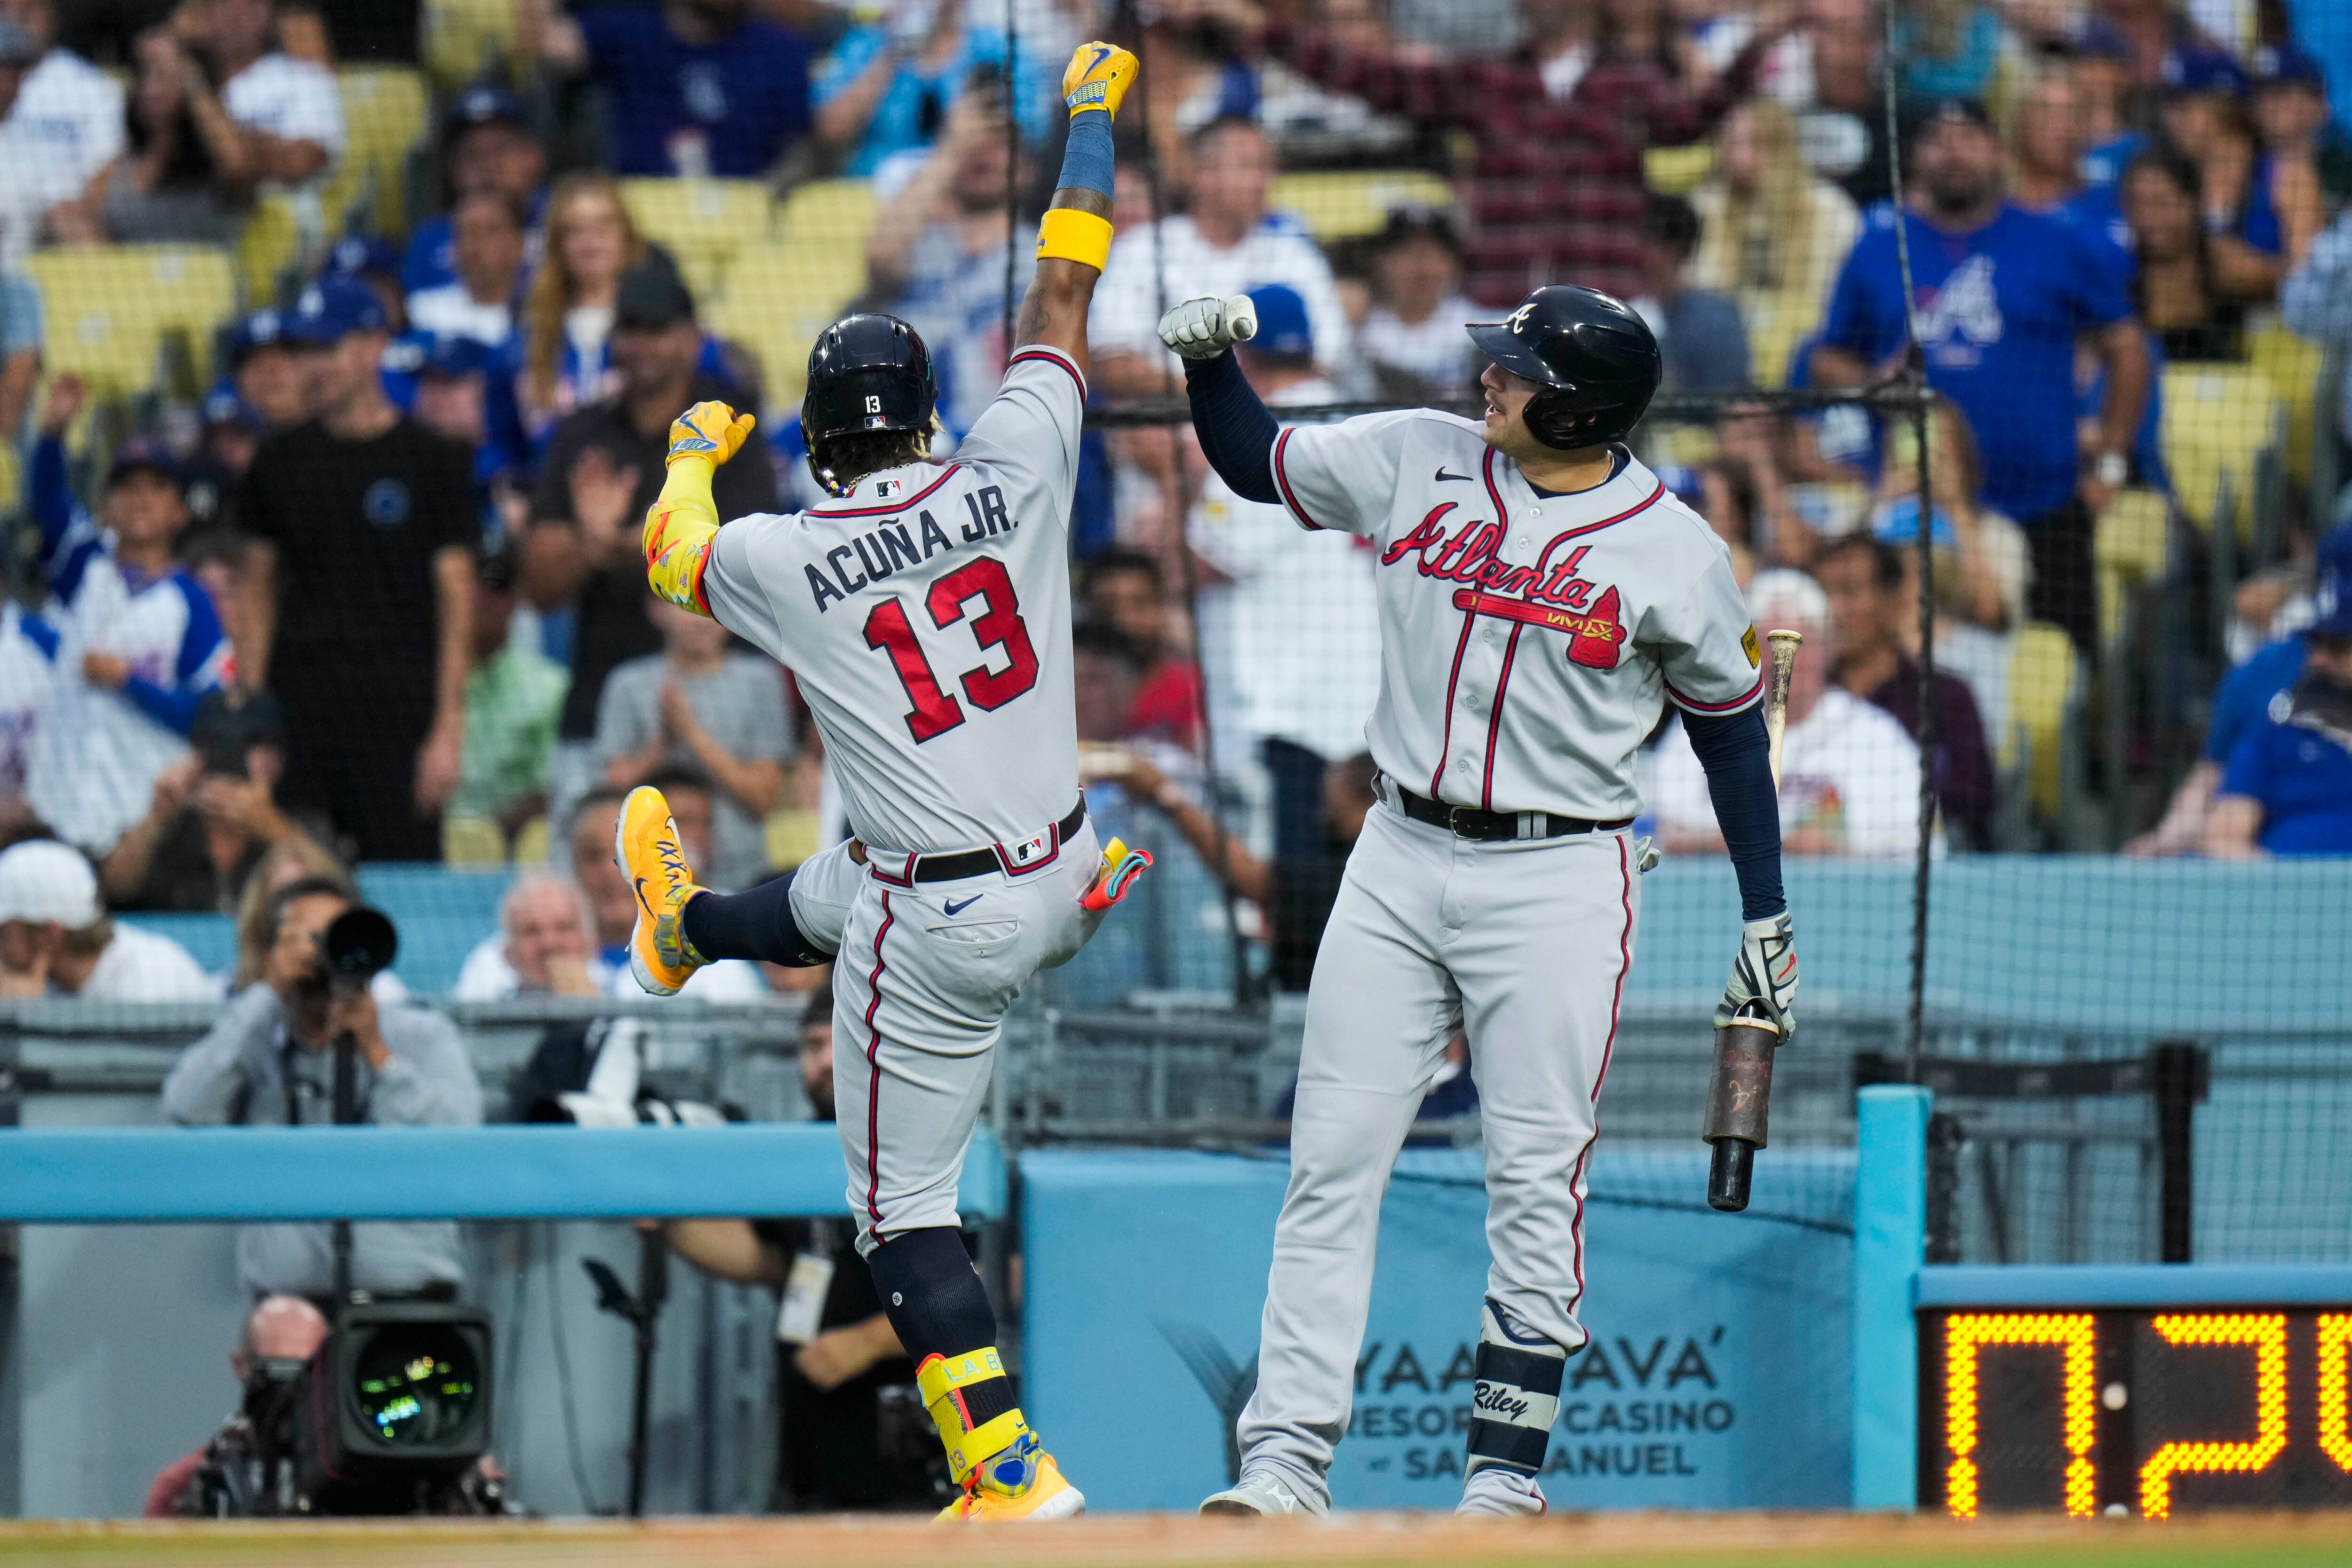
(2149, 1410)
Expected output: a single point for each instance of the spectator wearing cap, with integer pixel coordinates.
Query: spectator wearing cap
(214, 817)
(937, 253)
(55, 940)
(1289, 627)
(487, 148)
(268, 1061)
(265, 371)
(2002, 297)
(487, 236)
(691, 87)
(2288, 787)
(2246, 696)
(513, 699)
(2292, 125)
(602, 468)
(1412, 337)
(139, 640)
(2101, 63)
(1556, 188)
(359, 594)
(366, 259)
(1850, 776)
(61, 125)
(1224, 242)
(2262, 211)
(287, 110)
(1698, 330)
(455, 386)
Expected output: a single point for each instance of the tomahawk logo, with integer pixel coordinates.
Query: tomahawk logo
(1518, 320)
(1227, 1384)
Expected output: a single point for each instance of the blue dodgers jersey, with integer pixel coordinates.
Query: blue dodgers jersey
(1998, 312)
(2244, 699)
(2303, 778)
(748, 93)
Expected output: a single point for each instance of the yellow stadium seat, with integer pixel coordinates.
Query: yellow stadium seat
(2292, 364)
(471, 841)
(2217, 419)
(107, 311)
(1350, 202)
(7, 477)
(531, 844)
(827, 211)
(705, 223)
(1677, 171)
(270, 245)
(775, 303)
(2043, 674)
(2131, 545)
(387, 113)
(467, 40)
(792, 835)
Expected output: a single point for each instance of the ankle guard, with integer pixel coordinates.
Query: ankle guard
(1517, 1395)
(970, 1400)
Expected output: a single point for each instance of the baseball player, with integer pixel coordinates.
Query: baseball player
(1541, 597)
(926, 613)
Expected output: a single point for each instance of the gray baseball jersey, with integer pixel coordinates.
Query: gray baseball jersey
(1529, 640)
(926, 615)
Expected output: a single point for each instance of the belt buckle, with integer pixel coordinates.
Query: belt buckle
(1453, 821)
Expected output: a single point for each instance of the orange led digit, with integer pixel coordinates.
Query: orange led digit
(2266, 1331)
(2335, 1375)
(1963, 1335)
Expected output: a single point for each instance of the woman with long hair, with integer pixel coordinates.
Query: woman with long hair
(2263, 210)
(2178, 285)
(186, 171)
(1772, 234)
(568, 315)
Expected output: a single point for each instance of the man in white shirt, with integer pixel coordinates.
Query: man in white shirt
(1223, 242)
(1290, 633)
(488, 241)
(64, 126)
(56, 940)
(1849, 775)
(289, 107)
(545, 945)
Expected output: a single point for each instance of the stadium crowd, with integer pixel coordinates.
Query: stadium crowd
(338, 344)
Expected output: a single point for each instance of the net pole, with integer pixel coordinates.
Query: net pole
(1915, 376)
(1011, 171)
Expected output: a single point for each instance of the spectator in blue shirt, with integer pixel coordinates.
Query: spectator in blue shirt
(2244, 702)
(487, 148)
(887, 86)
(696, 87)
(2002, 297)
(2288, 790)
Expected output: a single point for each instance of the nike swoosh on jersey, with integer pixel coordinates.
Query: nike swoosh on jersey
(1443, 476)
(956, 908)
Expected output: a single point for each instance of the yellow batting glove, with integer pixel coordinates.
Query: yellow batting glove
(711, 431)
(1097, 78)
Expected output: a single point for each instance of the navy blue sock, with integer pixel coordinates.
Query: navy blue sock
(755, 923)
(932, 1293)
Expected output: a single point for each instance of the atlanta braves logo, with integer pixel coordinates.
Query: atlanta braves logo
(1518, 320)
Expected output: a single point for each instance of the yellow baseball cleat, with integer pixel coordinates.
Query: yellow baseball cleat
(1020, 1483)
(646, 847)
(1097, 78)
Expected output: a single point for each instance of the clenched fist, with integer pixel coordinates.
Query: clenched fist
(1203, 329)
(1765, 973)
(710, 430)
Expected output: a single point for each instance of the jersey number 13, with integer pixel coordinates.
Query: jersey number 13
(999, 626)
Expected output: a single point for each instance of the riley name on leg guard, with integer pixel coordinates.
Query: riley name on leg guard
(1518, 1396)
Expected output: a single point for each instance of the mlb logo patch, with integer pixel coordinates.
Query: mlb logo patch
(885, 489)
(1030, 851)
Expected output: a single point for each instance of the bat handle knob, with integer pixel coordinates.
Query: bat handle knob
(1728, 1173)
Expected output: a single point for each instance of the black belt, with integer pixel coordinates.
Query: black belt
(980, 862)
(1495, 826)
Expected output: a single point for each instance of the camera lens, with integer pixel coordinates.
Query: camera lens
(418, 1383)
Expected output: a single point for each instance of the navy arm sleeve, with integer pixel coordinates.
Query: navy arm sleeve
(1237, 432)
(1737, 756)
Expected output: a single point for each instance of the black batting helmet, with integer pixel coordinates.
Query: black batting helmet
(867, 372)
(1597, 359)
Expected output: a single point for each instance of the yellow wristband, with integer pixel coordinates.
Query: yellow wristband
(1074, 236)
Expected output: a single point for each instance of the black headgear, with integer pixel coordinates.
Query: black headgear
(1598, 361)
(867, 372)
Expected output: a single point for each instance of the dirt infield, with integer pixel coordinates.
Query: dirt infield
(1163, 1540)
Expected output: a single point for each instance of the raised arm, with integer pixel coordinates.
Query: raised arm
(1074, 239)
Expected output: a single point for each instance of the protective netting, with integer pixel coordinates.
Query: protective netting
(2068, 771)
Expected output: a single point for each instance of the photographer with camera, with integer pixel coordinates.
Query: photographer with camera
(270, 1061)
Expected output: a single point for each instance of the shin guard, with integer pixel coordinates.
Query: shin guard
(970, 1400)
(1518, 1374)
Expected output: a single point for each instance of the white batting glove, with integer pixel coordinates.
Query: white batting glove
(1764, 973)
(1203, 329)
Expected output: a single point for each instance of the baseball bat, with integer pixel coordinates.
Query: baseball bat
(1739, 1094)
